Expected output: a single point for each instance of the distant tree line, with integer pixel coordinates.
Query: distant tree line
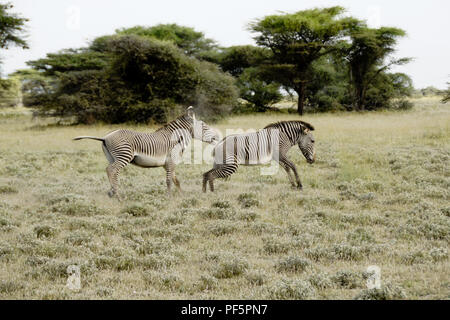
(12, 27)
(328, 62)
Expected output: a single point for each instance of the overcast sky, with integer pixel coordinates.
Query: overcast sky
(60, 24)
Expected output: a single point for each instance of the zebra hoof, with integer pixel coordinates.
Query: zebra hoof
(300, 188)
(111, 193)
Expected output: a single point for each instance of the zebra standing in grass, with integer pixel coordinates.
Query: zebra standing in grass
(162, 148)
(271, 143)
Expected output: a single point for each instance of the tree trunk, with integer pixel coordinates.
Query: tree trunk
(301, 97)
(359, 97)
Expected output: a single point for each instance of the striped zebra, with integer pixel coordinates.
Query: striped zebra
(271, 143)
(162, 148)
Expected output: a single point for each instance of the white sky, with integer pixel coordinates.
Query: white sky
(59, 24)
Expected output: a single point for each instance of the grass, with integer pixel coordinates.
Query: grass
(378, 194)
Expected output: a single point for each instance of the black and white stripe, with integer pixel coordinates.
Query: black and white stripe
(256, 148)
(162, 148)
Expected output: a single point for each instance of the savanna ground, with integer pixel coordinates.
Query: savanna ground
(378, 194)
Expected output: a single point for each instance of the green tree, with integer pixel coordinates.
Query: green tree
(9, 92)
(327, 88)
(70, 60)
(192, 42)
(243, 63)
(129, 78)
(366, 55)
(446, 97)
(12, 28)
(236, 59)
(35, 86)
(256, 91)
(297, 40)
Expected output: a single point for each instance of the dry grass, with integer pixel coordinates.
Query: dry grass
(378, 194)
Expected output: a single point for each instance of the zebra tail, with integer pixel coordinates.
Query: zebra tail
(89, 137)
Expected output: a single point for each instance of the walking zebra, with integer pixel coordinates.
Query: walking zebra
(162, 148)
(271, 143)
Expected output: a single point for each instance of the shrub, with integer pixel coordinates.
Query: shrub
(439, 254)
(231, 267)
(256, 278)
(139, 79)
(273, 245)
(221, 228)
(44, 231)
(293, 264)
(348, 279)
(9, 287)
(360, 235)
(207, 283)
(386, 292)
(291, 289)
(136, 210)
(321, 281)
(216, 213)
(224, 204)
(8, 189)
(248, 200)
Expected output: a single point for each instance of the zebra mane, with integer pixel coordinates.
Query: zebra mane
(176, 121)
(280, 124)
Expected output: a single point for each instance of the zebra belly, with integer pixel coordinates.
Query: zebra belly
(146, 161)
(257, 162)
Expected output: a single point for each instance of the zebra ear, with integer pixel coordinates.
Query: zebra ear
(190, 112)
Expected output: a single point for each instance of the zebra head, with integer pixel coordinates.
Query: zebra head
(208, 134)
(200, 130)
(306, 145)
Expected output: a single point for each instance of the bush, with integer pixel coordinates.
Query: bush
(231, 267)
(136, 210)
(142, 79)
(9, 92)
(293, 264)
(248, 200)
(321, 281)
(348, 279)
(44, 231)
(292, 289)
(387, 292)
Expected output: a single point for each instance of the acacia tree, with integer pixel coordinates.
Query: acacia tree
(11, 33)
(11, 28)
(192, 42)
(243, 62)
(297, 40)
(366, 55)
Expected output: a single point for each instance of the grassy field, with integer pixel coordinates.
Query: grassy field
(378, 194)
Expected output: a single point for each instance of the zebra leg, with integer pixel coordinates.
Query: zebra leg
(118, 159)
(170, 175)
(207, 177)
(287, 168)
(294, 169)
(176, 181)
(113, 171)
(222, 171)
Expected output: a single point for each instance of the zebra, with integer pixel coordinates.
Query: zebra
(162, 148)
(271, 143)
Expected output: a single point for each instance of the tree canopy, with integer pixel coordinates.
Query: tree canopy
(12, 28)
(144, 73)
(187, 39)
(366, 55)
(297, 40)
(127, 78)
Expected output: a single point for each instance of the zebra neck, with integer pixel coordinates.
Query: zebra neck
(176, 135)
